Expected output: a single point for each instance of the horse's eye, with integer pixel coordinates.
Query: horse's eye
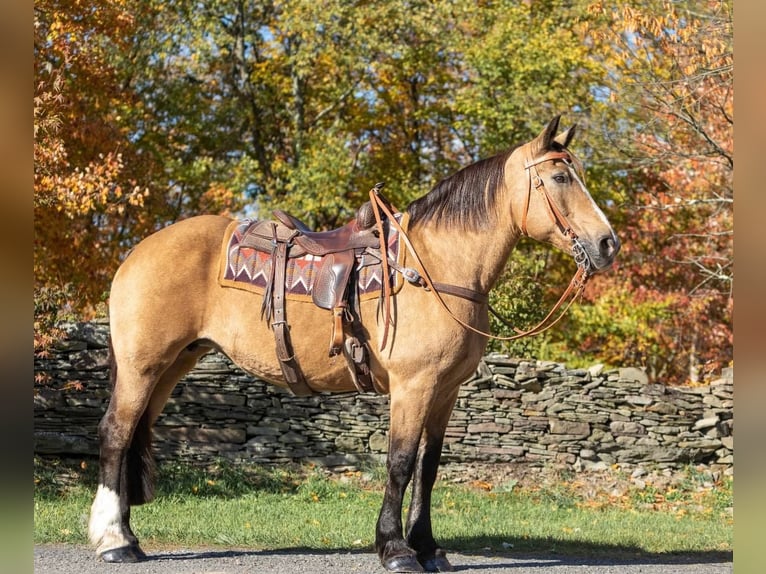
(561, 178)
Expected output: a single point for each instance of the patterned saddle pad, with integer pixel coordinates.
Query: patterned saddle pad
(244, 267)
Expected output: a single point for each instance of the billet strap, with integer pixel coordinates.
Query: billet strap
(290, 367)
(336, 340)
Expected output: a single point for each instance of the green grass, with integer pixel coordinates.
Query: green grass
(295, 507)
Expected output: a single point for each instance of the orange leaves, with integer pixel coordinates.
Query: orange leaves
(218, 199)
(482, 485)
(73, 386)
(670, 70)
(42, 379)
(89, 181)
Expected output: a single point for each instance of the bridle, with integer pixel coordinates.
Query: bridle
(578, 251)
(421, 278)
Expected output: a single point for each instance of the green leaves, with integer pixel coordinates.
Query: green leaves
(146, 113)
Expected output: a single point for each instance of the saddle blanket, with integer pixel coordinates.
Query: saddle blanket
(244, 267)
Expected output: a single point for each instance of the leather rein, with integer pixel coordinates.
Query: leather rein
(420, 276)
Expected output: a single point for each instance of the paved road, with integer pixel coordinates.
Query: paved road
(66, 559)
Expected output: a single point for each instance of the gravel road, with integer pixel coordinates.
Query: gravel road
(67, 559)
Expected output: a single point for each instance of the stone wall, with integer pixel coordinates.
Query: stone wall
(511, 411)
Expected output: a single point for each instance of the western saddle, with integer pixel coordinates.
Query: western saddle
(333, 289)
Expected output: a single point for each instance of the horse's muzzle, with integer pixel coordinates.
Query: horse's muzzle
(608, 247)
(599, 254)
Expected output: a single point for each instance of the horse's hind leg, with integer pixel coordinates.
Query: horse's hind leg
(419, 533)
(127, 465)
(123, 434)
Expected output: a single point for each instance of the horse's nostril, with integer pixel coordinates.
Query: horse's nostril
(609, 246)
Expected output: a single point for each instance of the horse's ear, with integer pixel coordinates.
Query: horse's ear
(542, 143)
(565, 137)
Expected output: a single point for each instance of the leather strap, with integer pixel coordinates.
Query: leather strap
(336, 341)
(538, 184)
(574, 290)
(358, 361)
(355, 349)
(376, 201)
(290, 367)
(461, 292)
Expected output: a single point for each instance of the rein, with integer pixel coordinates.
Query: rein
(420, 276)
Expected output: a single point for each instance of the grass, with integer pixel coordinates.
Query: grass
(303, 507)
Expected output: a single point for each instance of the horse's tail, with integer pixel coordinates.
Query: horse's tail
(140, 469)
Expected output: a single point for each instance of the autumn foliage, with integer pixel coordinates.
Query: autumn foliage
(671, 301)
(149, 112)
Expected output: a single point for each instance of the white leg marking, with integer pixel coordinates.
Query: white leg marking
(104, 527)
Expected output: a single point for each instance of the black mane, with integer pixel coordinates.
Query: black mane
(465, 199)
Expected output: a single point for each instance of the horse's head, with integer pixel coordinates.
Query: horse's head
(550, 202)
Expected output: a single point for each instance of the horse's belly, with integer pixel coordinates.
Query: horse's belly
(248, 340)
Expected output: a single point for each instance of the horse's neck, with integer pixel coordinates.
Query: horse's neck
(470, 259)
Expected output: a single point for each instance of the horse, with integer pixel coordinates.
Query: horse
(167, 308)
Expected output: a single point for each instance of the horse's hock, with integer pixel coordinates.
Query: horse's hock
(510, 411)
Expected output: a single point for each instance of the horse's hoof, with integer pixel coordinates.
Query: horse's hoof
(437, 563)
(123, 554)
(404, 563)
(137, 549)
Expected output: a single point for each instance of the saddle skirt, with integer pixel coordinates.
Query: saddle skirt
(246, 263)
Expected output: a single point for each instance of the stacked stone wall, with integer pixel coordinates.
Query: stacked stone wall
(511, 410)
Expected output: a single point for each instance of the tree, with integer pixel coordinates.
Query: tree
(671, 72)
(146, 113)
(80, 189)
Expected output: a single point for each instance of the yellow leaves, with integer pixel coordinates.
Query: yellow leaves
(82, 191)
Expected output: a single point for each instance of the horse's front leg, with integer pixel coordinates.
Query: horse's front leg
(409, 410)
(419, 533)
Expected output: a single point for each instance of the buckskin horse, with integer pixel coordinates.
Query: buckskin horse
(421, 339)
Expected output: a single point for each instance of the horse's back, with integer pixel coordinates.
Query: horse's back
(195, 237)
(167, 278)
